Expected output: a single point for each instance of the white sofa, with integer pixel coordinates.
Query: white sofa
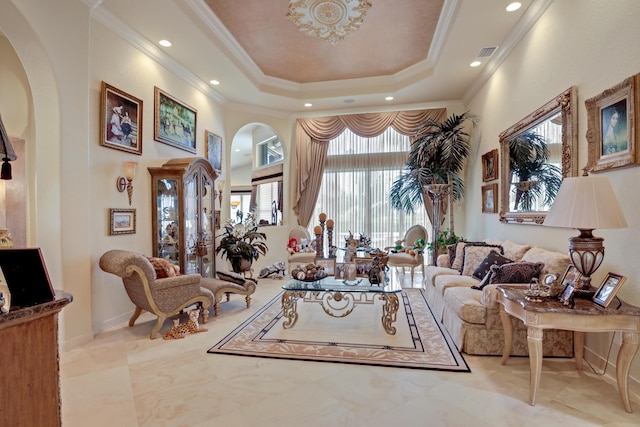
(472, 316)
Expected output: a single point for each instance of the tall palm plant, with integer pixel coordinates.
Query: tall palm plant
(437, 155)
(536, 178)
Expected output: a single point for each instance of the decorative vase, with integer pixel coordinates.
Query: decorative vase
(240, 264)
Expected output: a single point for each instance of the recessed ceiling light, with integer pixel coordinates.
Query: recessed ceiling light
(389, 98)
(214, 82)
(475, 63)
(513, 6)
(165, 43)
(308, 104)
(237, 149)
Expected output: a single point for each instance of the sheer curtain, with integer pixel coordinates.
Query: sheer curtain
(355, 188)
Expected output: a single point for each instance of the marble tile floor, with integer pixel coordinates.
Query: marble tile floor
(124, 379)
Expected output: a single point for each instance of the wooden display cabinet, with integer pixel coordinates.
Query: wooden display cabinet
(183, 202)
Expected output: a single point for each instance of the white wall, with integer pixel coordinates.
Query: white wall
(593, 45)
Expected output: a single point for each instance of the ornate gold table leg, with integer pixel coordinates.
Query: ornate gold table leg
(289, 306)
(389, 312)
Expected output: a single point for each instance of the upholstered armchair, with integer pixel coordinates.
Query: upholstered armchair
(162, 297)
(403, 258)
(304, 257)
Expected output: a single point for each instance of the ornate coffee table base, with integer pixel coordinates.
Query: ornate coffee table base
(340, 304)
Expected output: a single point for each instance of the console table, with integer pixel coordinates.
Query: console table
(585, 316)
(29, 379)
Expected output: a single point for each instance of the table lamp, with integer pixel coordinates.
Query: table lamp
(586, 203)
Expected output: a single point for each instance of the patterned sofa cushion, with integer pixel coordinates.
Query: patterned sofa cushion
(514, 251)
(515, 272)
(449, 281)
(492, 258)
(554, 262)
(458, 261)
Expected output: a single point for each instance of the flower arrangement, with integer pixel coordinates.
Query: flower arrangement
(241, 241)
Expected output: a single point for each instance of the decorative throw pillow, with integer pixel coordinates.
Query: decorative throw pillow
(164, 268)
(515, 251)
(493, 258)
(486, 280)
(451, 250)
(472, 256)
(230, 276)
(458, 259)
(515, 272)
(554, 262)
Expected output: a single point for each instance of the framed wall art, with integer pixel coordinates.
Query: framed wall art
(489, 202)
(122, 221)
(608, 289)
(490, 166)
(120, 120)
(213, 150)
(612, 117)
(174, 122)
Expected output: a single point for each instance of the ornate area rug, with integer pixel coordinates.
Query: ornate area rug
(420, 341)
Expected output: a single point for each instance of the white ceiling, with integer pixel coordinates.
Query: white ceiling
(204, 49)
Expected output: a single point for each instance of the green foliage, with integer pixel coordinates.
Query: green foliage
(437, 154)
(241, 241)
(529, 161)
(445, 238)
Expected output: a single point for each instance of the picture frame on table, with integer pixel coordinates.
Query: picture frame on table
(345, 271)
(611, 126)
(571, 276)
(174, 121)
(489, 198)
(120, 120)
(122, 221)
(608, 289)
(566, 296)
(213, 150)
(329, 265)
(490, 165)
(363, 265)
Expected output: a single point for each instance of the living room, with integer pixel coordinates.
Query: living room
(56, 54)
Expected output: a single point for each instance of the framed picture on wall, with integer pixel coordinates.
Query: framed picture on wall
(122, 221)
(213, 150)
(174, 122)
(490, 165)
(120, 120)
(489, 202)
(612, 117)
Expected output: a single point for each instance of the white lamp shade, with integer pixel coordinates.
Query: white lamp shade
(586, 203)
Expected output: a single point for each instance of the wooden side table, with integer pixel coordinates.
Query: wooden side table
(584, 317)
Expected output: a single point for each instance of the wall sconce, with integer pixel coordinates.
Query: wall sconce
(235, 204)
(6, 150)
(126, 182)
(220, 190)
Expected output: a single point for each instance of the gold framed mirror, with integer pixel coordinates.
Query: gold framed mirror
(536, 153)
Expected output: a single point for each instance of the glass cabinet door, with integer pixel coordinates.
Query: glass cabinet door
(167, 216)
(191, 224)
(207, 240)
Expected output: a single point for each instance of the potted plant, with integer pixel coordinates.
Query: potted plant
(445, 238)
(534, 177)
(241, 244)
(437, 156)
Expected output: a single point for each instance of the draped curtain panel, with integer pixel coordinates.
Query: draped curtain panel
(313, 135)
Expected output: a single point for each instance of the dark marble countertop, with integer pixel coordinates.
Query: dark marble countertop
(582, 306)
(60, 300)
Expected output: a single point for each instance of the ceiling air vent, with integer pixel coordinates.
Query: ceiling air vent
(486, 51)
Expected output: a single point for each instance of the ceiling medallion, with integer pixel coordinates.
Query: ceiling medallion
(329, 20)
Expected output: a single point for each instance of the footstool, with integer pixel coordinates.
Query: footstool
(225, 287)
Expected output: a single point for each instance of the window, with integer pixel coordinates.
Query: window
(269, 151)
(240, 205)
(355, 188)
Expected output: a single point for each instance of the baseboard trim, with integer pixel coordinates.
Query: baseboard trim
(598, 362)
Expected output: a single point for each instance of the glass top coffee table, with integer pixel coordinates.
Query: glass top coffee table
(338, 298)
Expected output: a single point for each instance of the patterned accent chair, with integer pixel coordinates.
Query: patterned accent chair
(405, 259)
(163, 297)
